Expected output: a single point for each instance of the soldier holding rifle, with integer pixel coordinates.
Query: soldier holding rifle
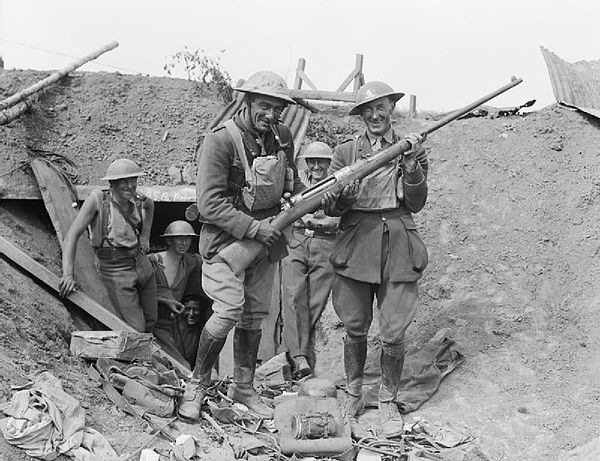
(379, 253)
(245, 167)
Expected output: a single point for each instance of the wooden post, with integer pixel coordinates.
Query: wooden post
(412, 106)
(359, 80)
(299, 72)
(55, 76)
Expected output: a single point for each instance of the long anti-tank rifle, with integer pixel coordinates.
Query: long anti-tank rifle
(240, 254)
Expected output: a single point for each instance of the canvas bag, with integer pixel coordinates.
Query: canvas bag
(265, 179)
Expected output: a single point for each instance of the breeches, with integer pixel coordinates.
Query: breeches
(396, 301)
(243, 299)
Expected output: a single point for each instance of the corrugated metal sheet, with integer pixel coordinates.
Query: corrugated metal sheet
(575, 84)
(295, 117)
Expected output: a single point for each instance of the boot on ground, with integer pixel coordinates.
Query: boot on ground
(245, 351)
(392, 362)
(190, 403)
(354, 406)
(390, 420)
(355, 355)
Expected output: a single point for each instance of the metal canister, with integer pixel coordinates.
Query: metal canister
(320, 425)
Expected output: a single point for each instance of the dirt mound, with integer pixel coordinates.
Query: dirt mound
(511, 226)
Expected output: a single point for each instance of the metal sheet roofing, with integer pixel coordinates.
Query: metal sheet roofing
(575, 84)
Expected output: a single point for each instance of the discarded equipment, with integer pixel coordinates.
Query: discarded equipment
(122, 345)
(311, 423)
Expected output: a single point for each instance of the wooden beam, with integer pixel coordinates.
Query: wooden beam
(308, 81)
(412, 106)
(348, 80)
(28, 190)
(59, 199)
(299, 69)
(56, 76)
(80, 299)
(323, 95)
(360, 78)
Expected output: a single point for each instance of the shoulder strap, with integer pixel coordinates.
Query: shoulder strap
(126, 217)
(234, 131)
(104, 219)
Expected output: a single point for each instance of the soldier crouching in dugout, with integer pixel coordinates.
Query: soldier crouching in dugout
(307, 273)
(379, 253)
(120, 221)
(242, 172)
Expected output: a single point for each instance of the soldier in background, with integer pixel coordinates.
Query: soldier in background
(306, 272)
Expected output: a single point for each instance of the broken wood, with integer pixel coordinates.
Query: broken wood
(12, 100)
(61, 204)
(80, 299)
(12, 113)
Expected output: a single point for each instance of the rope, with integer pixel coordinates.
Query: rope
(65, 167)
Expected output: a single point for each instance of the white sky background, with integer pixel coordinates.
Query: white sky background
(446, 52)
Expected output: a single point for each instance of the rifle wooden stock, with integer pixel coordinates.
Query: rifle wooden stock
(240, 254)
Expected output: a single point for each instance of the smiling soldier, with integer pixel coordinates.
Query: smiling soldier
(306, 271)
(379, 253)
(242, 172)
(120, 221)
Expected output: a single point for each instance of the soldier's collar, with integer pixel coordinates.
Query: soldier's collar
(388, 136)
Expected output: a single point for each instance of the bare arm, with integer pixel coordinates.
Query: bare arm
(67, 284)
(147, 218)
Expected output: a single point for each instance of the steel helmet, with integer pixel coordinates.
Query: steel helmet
(122, 168)
(317, 149)
(179, 229)
(371, 91)
(267, 83)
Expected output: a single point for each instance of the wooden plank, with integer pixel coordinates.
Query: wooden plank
(25, 189)
(307, 80)
(59, 199)
(412, 106)
(348, 80)
(80, 299)
(323, 95)
(360, 78)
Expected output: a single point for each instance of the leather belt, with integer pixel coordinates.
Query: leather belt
(316, 232)
(108, 253)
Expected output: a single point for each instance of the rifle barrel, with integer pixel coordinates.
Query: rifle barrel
(468, 108)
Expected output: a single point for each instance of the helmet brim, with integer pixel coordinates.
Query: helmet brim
(180, 234)
(266, 93)
(118, 176)
(395, 96)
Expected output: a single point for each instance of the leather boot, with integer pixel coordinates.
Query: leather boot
(209, 348)
(355, 355)
(392, 424)
(245, 351)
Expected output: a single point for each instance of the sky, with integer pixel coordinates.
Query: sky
(445, 52)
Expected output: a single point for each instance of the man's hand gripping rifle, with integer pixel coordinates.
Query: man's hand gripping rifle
(241, 253)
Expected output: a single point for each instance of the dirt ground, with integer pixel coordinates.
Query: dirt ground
(511, 226)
